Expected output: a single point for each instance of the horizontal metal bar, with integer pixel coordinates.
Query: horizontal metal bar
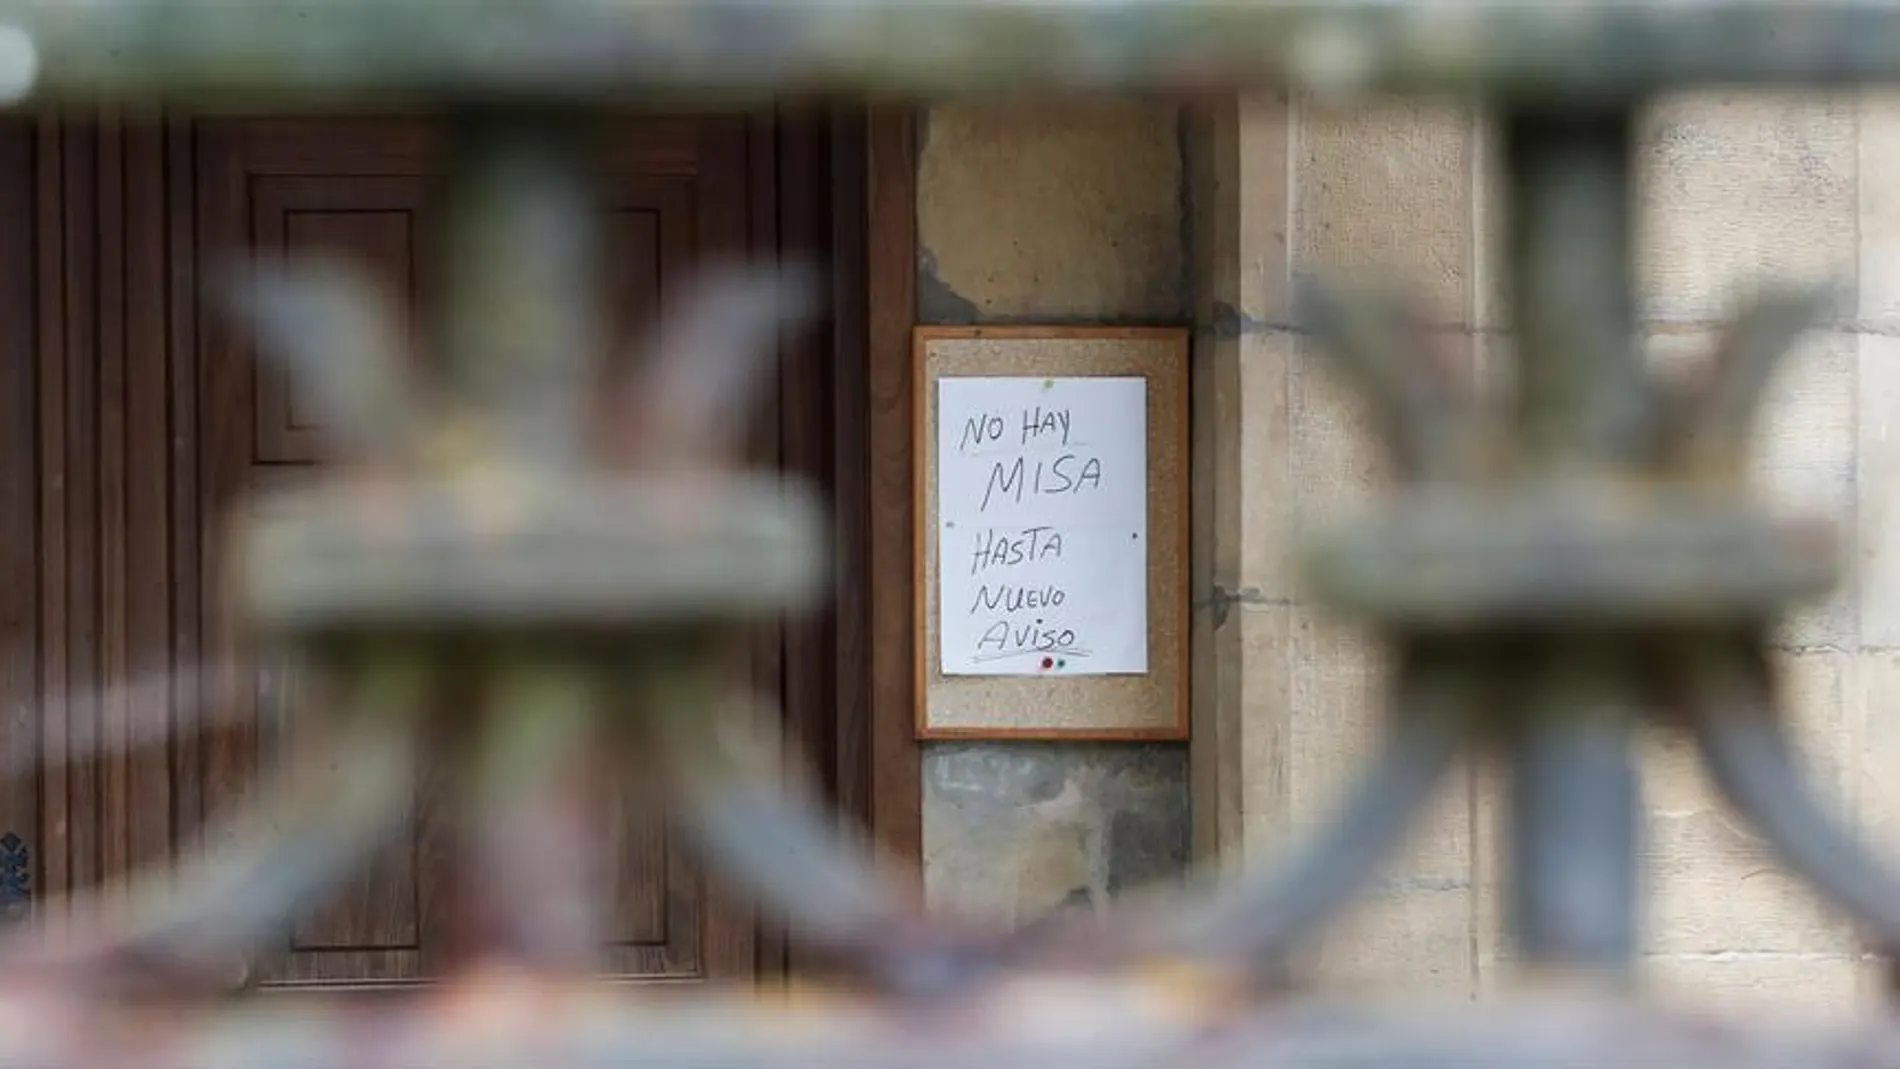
(514, 1020)
(269, 53)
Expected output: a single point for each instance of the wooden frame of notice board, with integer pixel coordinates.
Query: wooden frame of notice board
(1152, 705)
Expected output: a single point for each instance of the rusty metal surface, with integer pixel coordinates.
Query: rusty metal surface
(546, 550)
(273, 53)
(570, 532)
(518, 1020)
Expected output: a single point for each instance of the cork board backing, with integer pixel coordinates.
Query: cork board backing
(1151, 706)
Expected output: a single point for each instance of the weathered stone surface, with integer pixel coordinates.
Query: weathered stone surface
(1796, 986)
(1741, 189)
(1070, 211)
(1386, 187)
(1413, 925)
(1415, 922)
(1875, 787)
(1717, 886)
(1014, 830)
(1338, 691)
(1269, 480)
(1875, 577)
(1264, 731)
(1879, 216)
(1411, 933)
(1804, 451)
(1334, 460)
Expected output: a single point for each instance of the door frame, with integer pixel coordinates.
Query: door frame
(893, 776)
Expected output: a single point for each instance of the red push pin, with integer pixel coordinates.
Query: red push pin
(1048, 663)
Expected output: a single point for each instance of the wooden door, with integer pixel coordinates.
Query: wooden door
(134, 415)
(679, 194)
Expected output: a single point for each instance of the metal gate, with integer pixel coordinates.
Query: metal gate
(1619, 563)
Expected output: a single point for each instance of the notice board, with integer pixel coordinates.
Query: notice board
(1051, 537)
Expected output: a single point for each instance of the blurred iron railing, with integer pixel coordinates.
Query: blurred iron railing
(1553, 567)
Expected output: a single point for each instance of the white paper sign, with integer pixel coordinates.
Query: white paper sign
(1042, 493)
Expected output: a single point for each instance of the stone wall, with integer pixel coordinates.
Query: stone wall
(1084, 212)
(1063, 213)
(1738, 188)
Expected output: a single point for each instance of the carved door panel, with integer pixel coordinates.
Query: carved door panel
(357, 189)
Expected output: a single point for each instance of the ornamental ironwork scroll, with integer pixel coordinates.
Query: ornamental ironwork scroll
(1585, 552)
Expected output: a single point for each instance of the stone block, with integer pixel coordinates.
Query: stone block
(1804, 458)
(1741, 189)
(1411, 924)
(1316, 714)
(1795, 987)
(1876, 788)
(1407, 932)
(1334, 465)
(1876, 987)
(1710, 885)
(1875, 578)
(1268, 712)
(1264, 478)
(1337, 703)
(1218, 775)
(1819, 692)
(1013, 831)
(1060, 210)
(1415, 922)
(1239, 188)
(1805, 461)
(1384, 190)
(1490, 871)
(1338, 466)
(1805, 455)
(1716, 885)
(1880, 209)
